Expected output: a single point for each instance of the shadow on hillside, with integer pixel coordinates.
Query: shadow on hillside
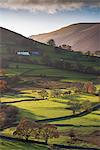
(72, 97)
(96, 114)
(28, 114)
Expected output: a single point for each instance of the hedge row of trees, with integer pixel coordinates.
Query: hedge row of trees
(27, 129)
(54, 93)
(66, 65)
(86, 87)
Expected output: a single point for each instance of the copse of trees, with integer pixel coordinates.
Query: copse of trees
(51, 42)
(78, 106)
(89, 88)
(43, 94)
(27, 129)
(3, 86)
(66, 47)
(56, 93)
(2, 72)
(76, 66)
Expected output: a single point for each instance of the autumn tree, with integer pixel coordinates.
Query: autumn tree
(48, 131)
(43, 93)
(3, 86)
(25, 129)
(75, 106)
(2, 72)
(89, 88)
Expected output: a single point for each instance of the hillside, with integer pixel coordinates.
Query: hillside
(82, 36)
(38, 53)
(11, 42)
(57, 87)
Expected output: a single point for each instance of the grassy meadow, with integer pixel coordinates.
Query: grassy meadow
(9, 145)
(55, 109)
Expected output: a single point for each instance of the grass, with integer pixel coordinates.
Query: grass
(53, 108)
(40, 70)
(10, 145)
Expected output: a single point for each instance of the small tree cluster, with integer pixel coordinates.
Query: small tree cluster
(77, 106)
(86, 87)
(51, 42)
(43, 94)
(56, 93)
(89, 88)
(27, 128)
(66, 47)
(2, 72)
(3, 86)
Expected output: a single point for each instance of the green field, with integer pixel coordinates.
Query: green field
(55, 109)
(40, 70)
(10, 145)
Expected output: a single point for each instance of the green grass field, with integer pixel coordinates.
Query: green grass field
(10, 145)
(40, 70)
(55, 108)
(52, 108)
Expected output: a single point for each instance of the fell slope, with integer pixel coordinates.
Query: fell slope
(81, 36)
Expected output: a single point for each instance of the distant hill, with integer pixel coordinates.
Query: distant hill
(82, 36)
(11, 42)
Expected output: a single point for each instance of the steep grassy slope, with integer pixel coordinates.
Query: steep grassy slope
(11, 42)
